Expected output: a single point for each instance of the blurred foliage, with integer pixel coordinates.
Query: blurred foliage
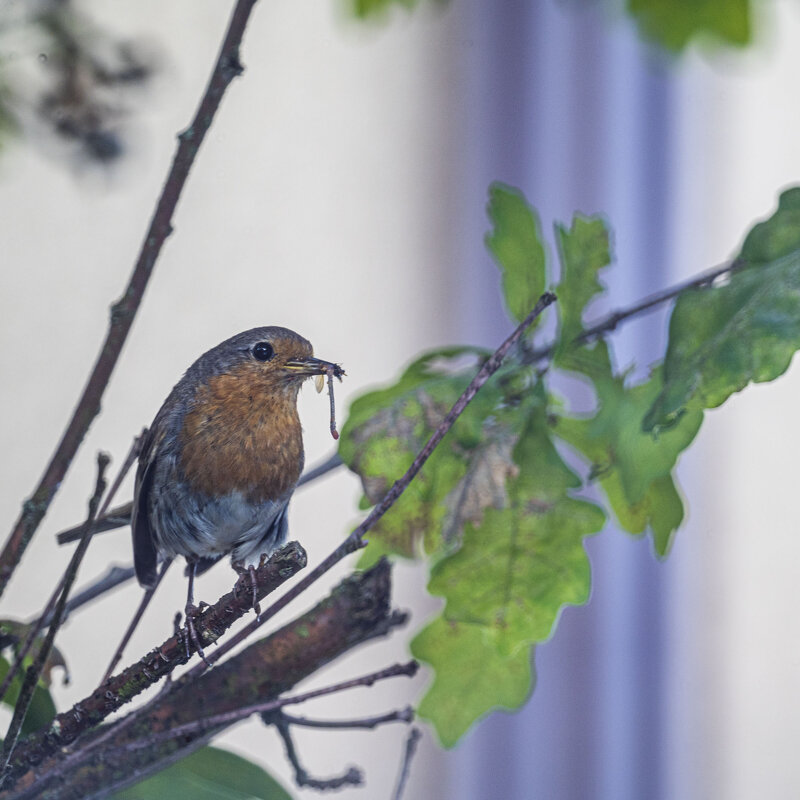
(208, 774)
(380, 8)
(495, 510)
(63, 76)
(675, 24)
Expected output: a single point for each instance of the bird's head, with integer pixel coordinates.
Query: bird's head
(273, 357)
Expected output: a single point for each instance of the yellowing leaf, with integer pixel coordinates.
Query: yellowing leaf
(472, 677)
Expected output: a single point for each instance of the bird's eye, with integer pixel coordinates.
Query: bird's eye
(263, 351)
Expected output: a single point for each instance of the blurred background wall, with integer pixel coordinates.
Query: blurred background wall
(341, 192)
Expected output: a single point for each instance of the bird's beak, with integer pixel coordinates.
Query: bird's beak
(313, 366)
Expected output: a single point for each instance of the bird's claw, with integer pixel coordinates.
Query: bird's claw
(192, 637)
(250, 571)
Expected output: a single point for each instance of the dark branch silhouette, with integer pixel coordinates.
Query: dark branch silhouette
(227, 67)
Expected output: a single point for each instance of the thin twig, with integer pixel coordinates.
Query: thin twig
(401, 715)
(321, 469)
(113, 578)
(355, 541)
(146, 598)
(414, 736)
(353, 776)
(130, 458)
(408, 669)
(124, 310)
(611, 321)
(706, 278)
(35, 670)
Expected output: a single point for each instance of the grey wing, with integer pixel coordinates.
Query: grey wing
(145, 554)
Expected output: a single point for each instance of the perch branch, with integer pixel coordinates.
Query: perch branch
(161, 661)
(356, 611)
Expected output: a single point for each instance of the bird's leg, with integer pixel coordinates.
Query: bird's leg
(250, 570)
(191, 611)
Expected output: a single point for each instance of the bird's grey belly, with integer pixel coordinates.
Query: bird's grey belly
(187, 524)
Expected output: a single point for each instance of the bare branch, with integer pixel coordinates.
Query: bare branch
(124, 310)
(321, 469)
(356, 611)
(85, 532)
(161, 661)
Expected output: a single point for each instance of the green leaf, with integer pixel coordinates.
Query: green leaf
(472, 677)
(584, 250)
(379, 8)
(42, 709)
(13, 633)
(208, 774)
(674, 23)
(465, 475)
(633, 467)
(516, 244)
(723, 337)
(506, 584)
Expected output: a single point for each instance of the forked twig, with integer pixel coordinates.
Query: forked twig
(409, 669)
(351, 777)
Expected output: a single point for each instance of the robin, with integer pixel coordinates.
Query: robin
(221, 460)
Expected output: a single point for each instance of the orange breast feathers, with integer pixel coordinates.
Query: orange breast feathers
(249, 421)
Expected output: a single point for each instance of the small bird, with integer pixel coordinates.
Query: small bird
(221, 460)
